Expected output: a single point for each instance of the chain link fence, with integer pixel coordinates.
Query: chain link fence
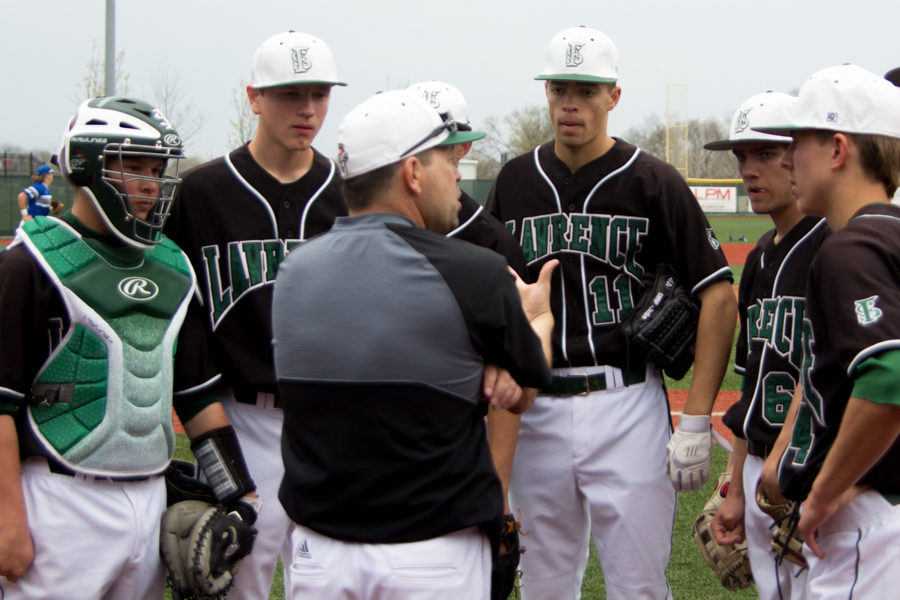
(15, 175)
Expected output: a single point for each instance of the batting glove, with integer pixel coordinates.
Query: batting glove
(688, 453)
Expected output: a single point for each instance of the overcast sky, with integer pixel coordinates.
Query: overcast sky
(723, 51)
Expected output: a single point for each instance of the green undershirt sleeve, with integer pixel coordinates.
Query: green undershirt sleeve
(877, 379)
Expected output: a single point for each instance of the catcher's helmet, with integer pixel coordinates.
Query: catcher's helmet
(115, 127)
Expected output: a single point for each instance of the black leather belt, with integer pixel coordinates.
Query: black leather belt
(758, 449)
(61, 470)
(248, 395)
(574, 385)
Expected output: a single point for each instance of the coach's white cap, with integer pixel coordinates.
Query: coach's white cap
(756, 111)
(390, 126)
(581, 54)
(447, 100)
(845, 98)
(290, 58)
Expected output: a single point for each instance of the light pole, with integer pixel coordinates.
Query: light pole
(109, 84)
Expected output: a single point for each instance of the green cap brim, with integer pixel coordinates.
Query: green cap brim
(730, 144)
(462, 137)
(784, 130)
(575, 77)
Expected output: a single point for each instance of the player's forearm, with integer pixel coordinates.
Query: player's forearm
(543, 328)
(503, 433)
(867, 431)
(736, 467)
(211, 417)
(16, 549)
(715, 334)
(23, 201)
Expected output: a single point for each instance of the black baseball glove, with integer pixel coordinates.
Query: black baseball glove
(202, 542)
(664, 323)
(503, 534)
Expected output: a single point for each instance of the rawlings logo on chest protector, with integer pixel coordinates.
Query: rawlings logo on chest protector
(138, 288)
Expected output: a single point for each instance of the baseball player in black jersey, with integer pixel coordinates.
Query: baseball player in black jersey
(90, 308)
(769, 350)
(592, 456)
(236, 217)
(842, 457)
(387, 471)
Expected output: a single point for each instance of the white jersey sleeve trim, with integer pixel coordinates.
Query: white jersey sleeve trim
(11, 393)
(710, 279)
(200, 387)
(870, 352)
(255, 193)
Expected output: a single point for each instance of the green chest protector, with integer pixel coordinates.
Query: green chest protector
(104, 396)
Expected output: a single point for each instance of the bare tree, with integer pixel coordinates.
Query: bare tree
(91, 85)
(519, 132)
(168, 96)
(650, 136)
(243, 125)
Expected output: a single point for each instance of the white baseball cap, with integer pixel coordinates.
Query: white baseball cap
(290, 58)
(845, 98)
(447, 100)
(389, 127)
(756, 111)
(581, 54)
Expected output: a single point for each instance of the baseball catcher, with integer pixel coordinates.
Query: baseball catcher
(664, 323)
(730, 563)
(203, 536)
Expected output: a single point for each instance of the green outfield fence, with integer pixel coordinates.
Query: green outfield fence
(16, 171)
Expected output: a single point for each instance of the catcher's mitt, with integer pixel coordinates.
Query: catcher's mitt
(730, 563)
(202, 543)
(664, 322)
(786, 542)
(504, 536)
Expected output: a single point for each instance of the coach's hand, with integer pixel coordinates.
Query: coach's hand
(536, 303)
(688, 451)
(502, 392)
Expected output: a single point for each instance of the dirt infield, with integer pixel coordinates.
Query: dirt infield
(736, 254)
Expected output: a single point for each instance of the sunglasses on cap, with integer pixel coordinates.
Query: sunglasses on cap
(449, 125)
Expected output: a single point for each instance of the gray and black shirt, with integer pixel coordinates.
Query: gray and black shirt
(382, 330)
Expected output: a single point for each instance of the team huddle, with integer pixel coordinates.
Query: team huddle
(383, 382)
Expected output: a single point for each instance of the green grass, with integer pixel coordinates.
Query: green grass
(729, 229)
(688, 575)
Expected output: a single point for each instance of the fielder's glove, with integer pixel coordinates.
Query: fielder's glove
(503, 534)
(202, 543)
(786, 542)
(730, 563)
(664, 323)
(688, 451)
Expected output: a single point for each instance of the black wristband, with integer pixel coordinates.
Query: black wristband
(220, 459)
